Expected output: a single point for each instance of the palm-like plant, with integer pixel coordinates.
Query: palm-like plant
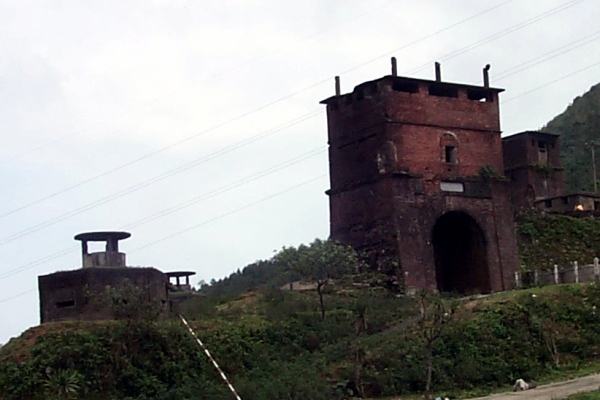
(62, 384)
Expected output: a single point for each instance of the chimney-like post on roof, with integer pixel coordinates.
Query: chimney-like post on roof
(438, 72)
(337, 86)
(394, 67)
(486, 76)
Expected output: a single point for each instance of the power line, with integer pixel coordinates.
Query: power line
(429, 36)
(155, 179)
(237, 210)
(439, 31)
(66, 251)
(181, 232)
(180, 206)
(17, 295)
(226, 188)
(550, 83)
(239, 117)
(32, 264)
(287, 46)
(500, 34)
(523, 66)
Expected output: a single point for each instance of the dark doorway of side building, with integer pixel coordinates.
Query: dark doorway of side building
(460, 255)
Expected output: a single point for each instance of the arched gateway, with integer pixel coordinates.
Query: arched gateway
(460, 254)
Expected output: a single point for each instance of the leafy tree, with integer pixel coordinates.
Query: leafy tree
(133, 303)
(578, 127)
(320, 262)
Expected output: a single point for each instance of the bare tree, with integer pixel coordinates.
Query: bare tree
(434, 315)
(360, 326)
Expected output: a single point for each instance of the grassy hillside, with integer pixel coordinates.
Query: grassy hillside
(543, 240)
(578, 125)
(275, 345)
(548, 239)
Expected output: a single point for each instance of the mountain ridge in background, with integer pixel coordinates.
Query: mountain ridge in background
(578, 126)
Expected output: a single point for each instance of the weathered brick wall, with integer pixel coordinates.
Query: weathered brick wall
(388, 157)
(532, 176)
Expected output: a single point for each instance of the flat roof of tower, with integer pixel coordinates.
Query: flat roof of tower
(416, 80)
(102, 236)
(514, 135)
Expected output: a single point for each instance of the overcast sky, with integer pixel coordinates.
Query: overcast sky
(196, 125)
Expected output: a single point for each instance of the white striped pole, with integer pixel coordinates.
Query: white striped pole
(210, 357)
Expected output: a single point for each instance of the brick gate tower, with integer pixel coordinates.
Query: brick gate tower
(416, 182)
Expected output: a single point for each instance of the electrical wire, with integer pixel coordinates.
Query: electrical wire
(550, 83)
(189, 85)
(196, 226)
(500, 34)
(36, 263)
(195, 200)
(151, 181)
(239, 117)
(523, 66)
(191, 228)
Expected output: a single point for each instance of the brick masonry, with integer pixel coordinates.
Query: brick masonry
(532, 163)
(406, 158)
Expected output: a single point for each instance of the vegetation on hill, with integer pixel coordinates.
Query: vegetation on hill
(276, 344)
(544, 240)
(579, 127)
(548, 239)
(348, 334)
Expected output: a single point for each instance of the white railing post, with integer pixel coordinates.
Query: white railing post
(556, 274)
(576, 271)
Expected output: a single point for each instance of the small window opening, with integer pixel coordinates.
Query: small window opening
(443, 91)
(565, 200)
(596, 205)
(407, 87)
(542, 153)
(450, 154)
(548, 203)
(65, 304)
(96, 247)
(542, 146)
(480, 95)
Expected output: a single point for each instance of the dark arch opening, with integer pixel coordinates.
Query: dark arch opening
(460, 255)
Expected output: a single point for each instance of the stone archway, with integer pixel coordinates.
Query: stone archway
(460, 254)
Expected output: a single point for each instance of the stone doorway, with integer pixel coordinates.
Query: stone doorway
(460, 255)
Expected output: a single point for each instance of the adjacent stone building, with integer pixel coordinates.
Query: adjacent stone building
(532, 163)
(416, 182)
(81, 294)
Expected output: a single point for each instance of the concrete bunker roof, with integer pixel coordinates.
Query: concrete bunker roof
(102, 236)
(404, 79)
(176, 274)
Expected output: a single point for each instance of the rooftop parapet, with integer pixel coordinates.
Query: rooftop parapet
(177, 284)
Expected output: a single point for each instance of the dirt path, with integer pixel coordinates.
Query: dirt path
(558, 390)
